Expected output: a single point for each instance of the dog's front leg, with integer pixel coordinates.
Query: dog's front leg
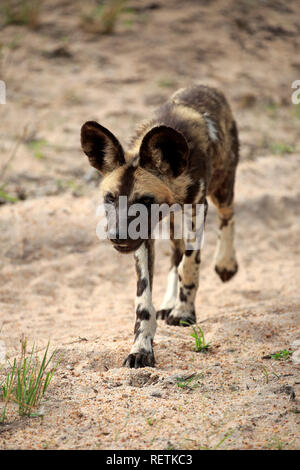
(141, 354)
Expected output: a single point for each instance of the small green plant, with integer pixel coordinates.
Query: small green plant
(7, 197)
(284, 354)
(102, 17)
(21, 12)
(7, 387)
(272, 109)
(27, 381)
(266, 373)
(65, 184)
(200, 343)
(166, 83)
(37, 146)
(150, 421)
(170, 446)
(188, 383)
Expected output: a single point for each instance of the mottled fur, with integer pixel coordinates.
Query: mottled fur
(189, 150)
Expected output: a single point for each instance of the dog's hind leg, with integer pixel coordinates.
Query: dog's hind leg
(168, 303)
(225, 261)
(183, 311)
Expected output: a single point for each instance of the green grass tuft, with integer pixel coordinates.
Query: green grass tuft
(188, 383)
(37, 146)
(200, 343)
(166, 83)
(279, 148)
(7, 197)
(150, 421)
(284, 354)
(27, 381)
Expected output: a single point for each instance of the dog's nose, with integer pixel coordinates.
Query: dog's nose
(114, 237)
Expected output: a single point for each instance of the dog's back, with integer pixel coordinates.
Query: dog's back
(203, 115)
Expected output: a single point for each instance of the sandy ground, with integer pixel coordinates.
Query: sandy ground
(59, 282)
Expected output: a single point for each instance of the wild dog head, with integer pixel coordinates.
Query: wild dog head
(139, 176)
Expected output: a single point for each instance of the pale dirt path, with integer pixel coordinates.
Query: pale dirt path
(84, 289)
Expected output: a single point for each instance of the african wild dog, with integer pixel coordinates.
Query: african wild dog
(188, 151)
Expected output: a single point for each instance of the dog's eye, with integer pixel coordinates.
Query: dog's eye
(109, 198)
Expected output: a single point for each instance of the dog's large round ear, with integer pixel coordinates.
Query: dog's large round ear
(102, 148)
(164, 149)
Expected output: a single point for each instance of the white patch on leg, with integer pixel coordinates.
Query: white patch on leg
(171, 292)
(147, 328)
(141, 256)
(147, 332)
(225, 255)
(188, 270)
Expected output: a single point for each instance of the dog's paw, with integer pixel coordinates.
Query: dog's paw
(178, 318)
(140, 359)
(163, 314)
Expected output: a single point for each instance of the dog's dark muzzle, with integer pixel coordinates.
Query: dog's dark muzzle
(120, 235)
(126, 246)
